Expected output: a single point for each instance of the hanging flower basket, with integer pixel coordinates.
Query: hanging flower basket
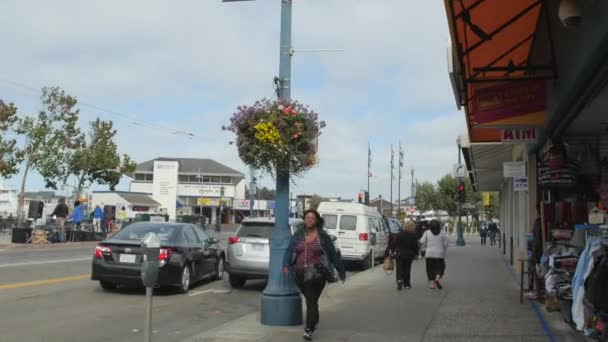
(277, 135)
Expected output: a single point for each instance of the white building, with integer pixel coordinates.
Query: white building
(8, 201)
(133, 202)
(192, 186)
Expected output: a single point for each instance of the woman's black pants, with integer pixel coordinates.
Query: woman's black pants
(312, 291)
(404, 267)
(434, 267)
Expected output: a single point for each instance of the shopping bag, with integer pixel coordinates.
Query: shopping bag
(389, 263)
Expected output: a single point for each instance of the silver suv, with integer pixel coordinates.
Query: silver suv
(248, 253)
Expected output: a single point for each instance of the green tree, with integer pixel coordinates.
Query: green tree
(315, 200)
(10, 156)
(97, 161)
(50, 139)
(448, 194)
(426, 196)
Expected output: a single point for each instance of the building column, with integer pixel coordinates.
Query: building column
(213, 216)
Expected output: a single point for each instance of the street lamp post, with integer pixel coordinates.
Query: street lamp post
(281, 302)
(460, 238)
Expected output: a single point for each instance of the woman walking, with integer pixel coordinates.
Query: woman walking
(435, 243)
(305, 253)
(405, 249)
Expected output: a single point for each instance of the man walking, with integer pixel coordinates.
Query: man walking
(61, 213)
(493, 230)
(483, 233)
(97, 218)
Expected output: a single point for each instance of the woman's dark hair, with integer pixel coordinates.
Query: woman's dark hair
(77, 203)
(320, 220)
(435, 226)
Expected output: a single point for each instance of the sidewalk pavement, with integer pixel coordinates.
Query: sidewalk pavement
(479, 302)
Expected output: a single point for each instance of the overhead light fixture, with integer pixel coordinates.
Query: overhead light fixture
(570, 13)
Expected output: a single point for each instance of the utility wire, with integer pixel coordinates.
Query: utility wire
(130, 119)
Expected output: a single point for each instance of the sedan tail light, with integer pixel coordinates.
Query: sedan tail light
(101, 250)
(363, 237)
(233, 239)
(164, 256)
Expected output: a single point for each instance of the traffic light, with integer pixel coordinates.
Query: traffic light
(366, 197)
(360, 198)
(461, 192)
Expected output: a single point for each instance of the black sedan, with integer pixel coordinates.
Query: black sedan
(188, 254)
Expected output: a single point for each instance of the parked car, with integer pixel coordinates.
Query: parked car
(360, 229)
(187, 255)
(248, 252)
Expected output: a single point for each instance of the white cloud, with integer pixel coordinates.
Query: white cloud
(189, 64)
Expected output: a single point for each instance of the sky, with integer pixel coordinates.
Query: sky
(161, 69)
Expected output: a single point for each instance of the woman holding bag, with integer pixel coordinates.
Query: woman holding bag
(312, 255)
(404, 247)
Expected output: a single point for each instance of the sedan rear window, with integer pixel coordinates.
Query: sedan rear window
(136, 232)
(331, 221)
(255, 229)
(348, 222)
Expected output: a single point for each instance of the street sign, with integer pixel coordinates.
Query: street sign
(460, 170)
(520, 184)
(514, 169)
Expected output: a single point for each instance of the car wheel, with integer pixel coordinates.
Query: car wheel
(184, 282)
(236, 281)
(107, 285)
(368, 262)
(219, 268)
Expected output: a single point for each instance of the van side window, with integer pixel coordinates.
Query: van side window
(371, 223)
(348, 222)
(331, 221)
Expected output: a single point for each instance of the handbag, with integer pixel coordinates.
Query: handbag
(389, 264)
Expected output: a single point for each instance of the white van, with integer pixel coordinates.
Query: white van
(360, 230)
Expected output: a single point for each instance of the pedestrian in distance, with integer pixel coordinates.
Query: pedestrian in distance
(493, 231)
(97, 218)
(483, 233)
(61, 213)
(77, 215)
(404, 248)
(435, 244)
(305, 253)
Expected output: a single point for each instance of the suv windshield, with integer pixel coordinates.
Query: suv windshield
(255, 229)
(137, 231)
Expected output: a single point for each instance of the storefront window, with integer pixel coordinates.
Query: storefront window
(215, 179)
(227, 180)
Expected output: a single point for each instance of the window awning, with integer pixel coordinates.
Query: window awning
(492, 44)
(140, 200)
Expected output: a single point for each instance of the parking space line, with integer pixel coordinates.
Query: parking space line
(44, 282)
(214, 291)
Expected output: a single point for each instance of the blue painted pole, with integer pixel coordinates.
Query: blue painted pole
(281, 302)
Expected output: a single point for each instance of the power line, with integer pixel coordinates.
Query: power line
(132, 120)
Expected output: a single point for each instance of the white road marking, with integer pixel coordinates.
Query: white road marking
(44, 262)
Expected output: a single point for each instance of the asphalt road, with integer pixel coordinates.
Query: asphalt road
(47, 295)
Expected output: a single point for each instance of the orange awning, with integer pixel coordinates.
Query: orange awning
(493, 42)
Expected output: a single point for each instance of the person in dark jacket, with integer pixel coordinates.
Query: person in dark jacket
(493, 231)
(305, 251)
(405, 249)
(61, 213)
